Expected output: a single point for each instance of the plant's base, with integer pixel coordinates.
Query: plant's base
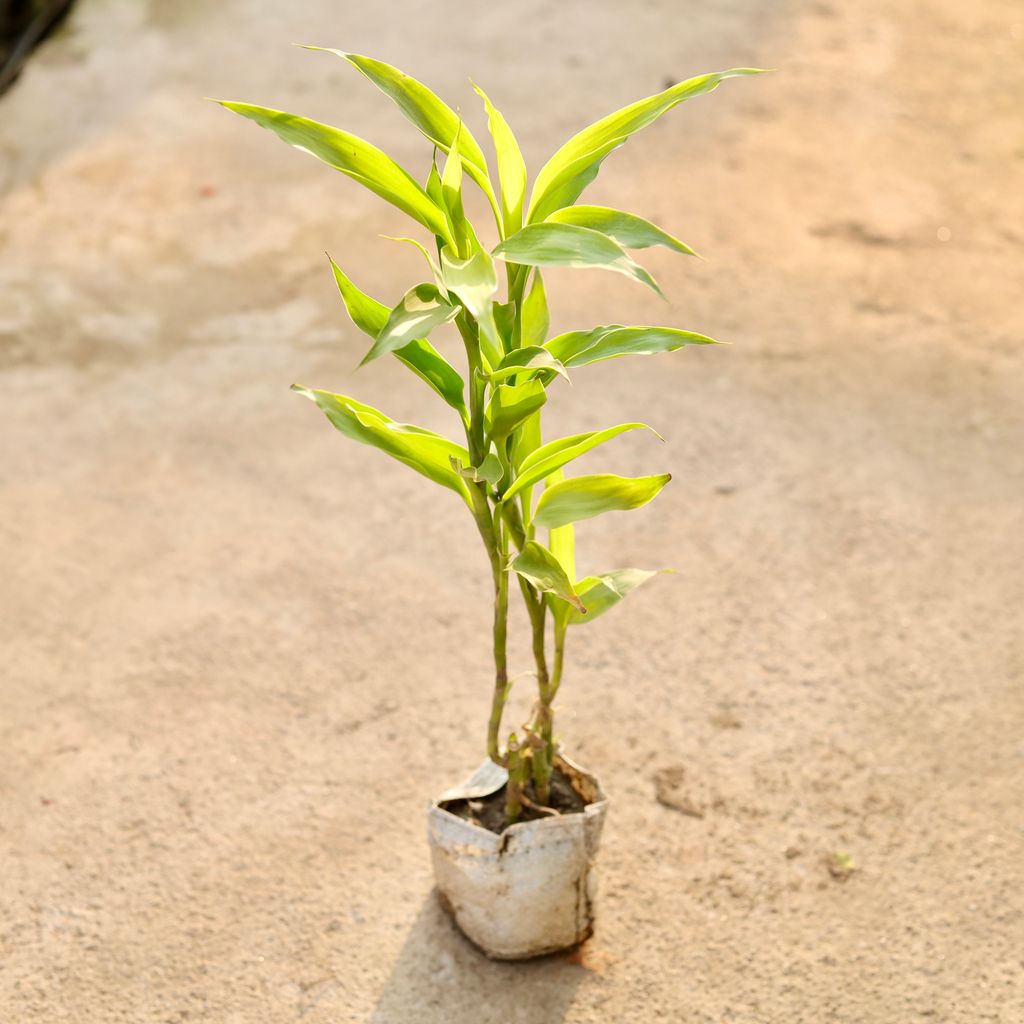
(528, 890)
(489, 811)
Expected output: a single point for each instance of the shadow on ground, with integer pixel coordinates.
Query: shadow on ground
(438, 969)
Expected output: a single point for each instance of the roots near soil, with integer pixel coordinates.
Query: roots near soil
(489, 811)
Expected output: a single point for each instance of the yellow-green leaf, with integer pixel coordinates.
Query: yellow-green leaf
(566, 245)
(421, 310)
(582, 497)
(542, 462)
(600, 593)
(536, 319)
(524, 360)
(419, 355)
(511, 405)
(541, 568)
(564, 177)
(430, 114)
(428, 453)
(578, 348)
(352, 156)
(629, 230)
(511, 167)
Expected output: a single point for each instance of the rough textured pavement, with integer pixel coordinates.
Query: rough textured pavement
(240, 653)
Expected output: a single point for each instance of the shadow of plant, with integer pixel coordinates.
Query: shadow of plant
(440, 976)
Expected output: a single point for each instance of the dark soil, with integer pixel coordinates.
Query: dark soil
(489, 811)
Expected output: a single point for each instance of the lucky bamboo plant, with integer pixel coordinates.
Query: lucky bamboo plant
(510, 479)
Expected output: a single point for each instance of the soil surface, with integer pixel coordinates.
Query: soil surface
(489, 811)
(229, 636)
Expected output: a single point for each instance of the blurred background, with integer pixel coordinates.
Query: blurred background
(240, 653)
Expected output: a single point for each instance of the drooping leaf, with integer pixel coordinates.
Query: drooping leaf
(428, 112)
(429, 365)
(520, 360)
(473, 280)
(511, 167)
(567, 245)
(510, 405)
(600, 593)
(577, 348)
(421, 310)
(541, 568)
(582, 497)
(630, 231)
(419, 355)
(424, 451)
(536, 320)
(352, 156)
(564, 177)
(549, 458)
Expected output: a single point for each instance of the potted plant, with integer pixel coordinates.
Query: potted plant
(514, 845)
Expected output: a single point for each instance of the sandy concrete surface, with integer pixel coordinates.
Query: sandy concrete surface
(239, 653)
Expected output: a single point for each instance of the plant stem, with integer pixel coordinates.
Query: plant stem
(475, 434)
(518, 769)
(541, 727)
(493, 534)
(501, 685)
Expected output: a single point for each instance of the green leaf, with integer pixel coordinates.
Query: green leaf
(566, 245)
(352, 156)
(504, 317)
(433, 185)
(549, 458)
(512, 404)
(522, 360)
(527, 439)
(541, 568)
(524, 441)
(430, 114)
(630, 231)
(429, 365)
(564, 177)
(451, 192)
(421, 310)
(426, 452)
(489, 470)
(419, 355)
(536, 320)
(367, 314)
(582, 497)
(473, 280)
(511, 167)
(577, 348)
(600, 593)
(562, 539)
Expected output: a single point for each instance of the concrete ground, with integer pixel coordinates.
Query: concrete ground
(240, 653)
